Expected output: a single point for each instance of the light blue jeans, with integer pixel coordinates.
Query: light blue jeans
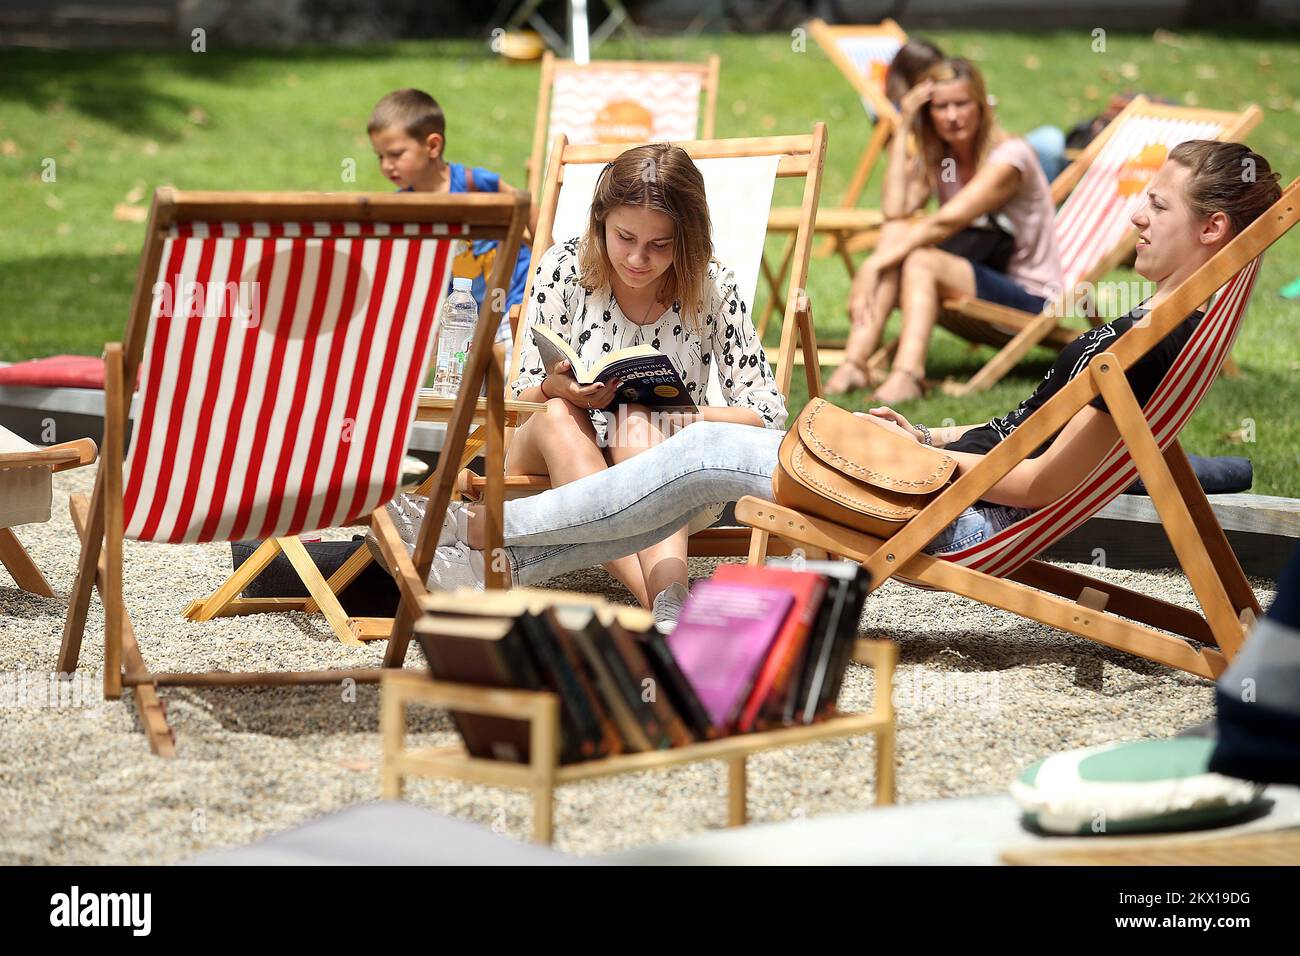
(642, 501)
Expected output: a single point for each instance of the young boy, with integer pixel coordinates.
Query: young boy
(408, 132)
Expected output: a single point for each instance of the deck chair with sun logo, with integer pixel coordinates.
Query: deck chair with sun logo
(621, 101)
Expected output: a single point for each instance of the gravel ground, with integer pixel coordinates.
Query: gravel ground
(980, 694)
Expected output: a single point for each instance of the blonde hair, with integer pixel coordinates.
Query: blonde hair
(987, 135)
(663, 178)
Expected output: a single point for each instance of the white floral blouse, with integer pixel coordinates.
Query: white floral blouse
(593, 324)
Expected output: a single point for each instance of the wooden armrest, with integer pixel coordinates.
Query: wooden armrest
(86, 450)
(72, 454)
(808, 344)
(399, 563)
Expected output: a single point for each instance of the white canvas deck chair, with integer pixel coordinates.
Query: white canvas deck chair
(1105, 186)
(278, 341)
(1003, 572)
(26, 491)
(739, 176)
(863, 55)
(621, 101)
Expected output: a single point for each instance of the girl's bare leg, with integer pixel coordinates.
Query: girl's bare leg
(563, 444)
(927, 274)
(864, 338)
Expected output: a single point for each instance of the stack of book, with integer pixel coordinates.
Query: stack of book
(755, 648)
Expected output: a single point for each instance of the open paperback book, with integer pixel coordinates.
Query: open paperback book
(648, 377)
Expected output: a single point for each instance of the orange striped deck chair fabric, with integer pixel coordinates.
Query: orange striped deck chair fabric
(863, 54)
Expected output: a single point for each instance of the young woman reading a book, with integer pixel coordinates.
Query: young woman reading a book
(1196, 202)
(642, 273)
(977, 172)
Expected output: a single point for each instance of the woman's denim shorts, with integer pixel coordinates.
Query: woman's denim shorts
(1000, 289)
(974, 526)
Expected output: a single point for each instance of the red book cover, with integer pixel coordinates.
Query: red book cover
(777, 669)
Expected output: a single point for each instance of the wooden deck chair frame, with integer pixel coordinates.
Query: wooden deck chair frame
(71, 454)
(987, 323)
(551, 66)
(1085, 606)
(99, 519)
(801, 156)
(838, 223)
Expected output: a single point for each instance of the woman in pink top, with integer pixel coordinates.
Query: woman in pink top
(977, 172)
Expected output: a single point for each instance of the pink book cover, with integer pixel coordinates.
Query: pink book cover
(723, 634)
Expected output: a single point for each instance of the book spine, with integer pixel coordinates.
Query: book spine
(579, 730)
(486, 736)
(821, 654)
(683, 694)
(793, 631)
(655, 696)
(634, 737)
(786, 707)
(610, 743)
(655, 732)
(792, 651)
(847, 637)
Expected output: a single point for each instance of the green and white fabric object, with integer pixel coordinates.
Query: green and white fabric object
(1134, 787)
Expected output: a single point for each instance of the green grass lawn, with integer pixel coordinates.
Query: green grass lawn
(118, 125)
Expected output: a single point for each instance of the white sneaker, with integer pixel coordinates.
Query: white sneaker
(668, 606)
(456, 566)
(407, 512)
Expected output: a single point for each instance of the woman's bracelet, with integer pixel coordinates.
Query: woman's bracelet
(926, 437)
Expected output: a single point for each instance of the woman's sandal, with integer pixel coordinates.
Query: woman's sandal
(922, 389)
(857, 377)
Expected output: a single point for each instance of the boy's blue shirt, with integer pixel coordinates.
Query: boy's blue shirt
(477, 261)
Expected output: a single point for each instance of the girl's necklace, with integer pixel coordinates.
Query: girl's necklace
(644, 316)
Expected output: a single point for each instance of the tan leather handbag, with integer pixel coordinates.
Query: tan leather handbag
(856, 471)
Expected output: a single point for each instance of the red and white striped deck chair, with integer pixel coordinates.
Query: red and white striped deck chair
(278, 342)
(863, 55)
(621, 101)
(1003, 572)
(1105, 186)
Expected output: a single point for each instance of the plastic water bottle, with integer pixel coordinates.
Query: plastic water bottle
(459, 315)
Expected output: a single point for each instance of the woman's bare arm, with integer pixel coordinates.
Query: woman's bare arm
(1037, 482)
(988, 190)
(905, 189)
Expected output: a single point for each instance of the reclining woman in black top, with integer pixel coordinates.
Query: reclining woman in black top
(1196, 203)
